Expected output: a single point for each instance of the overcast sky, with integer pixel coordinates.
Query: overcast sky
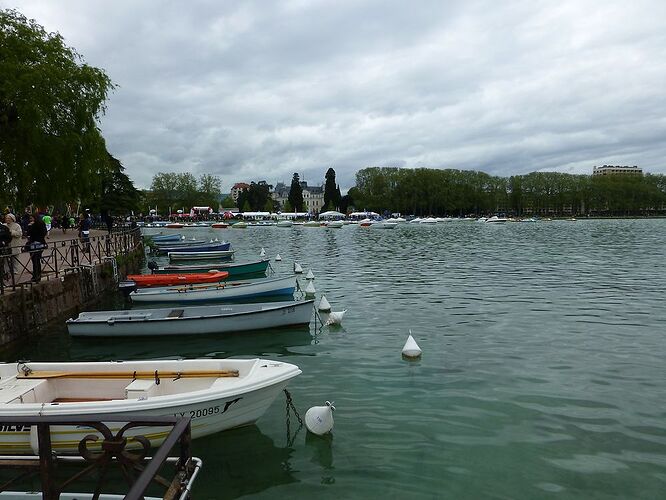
(252, 90)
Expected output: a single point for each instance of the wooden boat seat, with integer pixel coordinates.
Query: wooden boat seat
(175, 313)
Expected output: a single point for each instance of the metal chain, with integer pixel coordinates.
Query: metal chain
(290, 405)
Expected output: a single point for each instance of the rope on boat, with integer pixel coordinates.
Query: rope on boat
(290, 406)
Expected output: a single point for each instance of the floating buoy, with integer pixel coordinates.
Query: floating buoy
(262, 253)
(411, 348)
(335, 318)
(297, 268)
(324, 306)
(216, 240)
(319, 419)
(278, 258)
(310, 275)
(310, 288)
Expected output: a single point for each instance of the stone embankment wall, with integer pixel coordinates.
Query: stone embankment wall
(25, 311)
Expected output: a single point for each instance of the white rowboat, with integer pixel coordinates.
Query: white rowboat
(190, 320)
(218, 394)
(234, 290)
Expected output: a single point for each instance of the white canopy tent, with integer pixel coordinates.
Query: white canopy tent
(331, 214)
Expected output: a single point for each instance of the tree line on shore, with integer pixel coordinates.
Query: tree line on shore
(425, 191)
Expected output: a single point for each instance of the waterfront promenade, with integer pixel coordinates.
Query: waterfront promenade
(51, 260)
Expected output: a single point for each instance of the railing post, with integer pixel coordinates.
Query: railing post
(46, 462)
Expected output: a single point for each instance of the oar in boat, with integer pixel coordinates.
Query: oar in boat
(130, 374)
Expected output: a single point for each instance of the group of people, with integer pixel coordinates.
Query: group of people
(36, 230)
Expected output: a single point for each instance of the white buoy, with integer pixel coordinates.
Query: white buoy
(411, 348)
(262, 253)
(278, 258)
(310, 289)
(319, 419)
(297, 268)
(335, 318)
(324, 306)
(310, 275)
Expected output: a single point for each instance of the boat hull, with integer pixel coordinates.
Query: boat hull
(178, 256)
(192, 320)
(212, 247)
(235, 270)
(152, 280)
(222, 292)
(227, 403)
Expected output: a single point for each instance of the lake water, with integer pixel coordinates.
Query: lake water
(543, 372)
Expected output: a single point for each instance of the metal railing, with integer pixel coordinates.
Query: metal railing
(60, 257)
(138, 470)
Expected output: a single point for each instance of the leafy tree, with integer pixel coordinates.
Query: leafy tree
(50, 103)
(210, 187)
(270, 205)
(228, 202)
(287, 207)
(118, 194)
(296, 194)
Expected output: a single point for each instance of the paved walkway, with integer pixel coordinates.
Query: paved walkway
(23, 270)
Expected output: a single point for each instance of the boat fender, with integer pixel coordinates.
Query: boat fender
(319, 419)
(324, 306)
(310, 289)
(411, 349)
(335, 318)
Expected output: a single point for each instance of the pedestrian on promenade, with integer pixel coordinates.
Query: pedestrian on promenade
(84, 231)
(47, 222)
(65, 224)
(36, 244)
(14, 246)
(109, 222)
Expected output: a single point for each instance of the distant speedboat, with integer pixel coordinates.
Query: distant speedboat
(429, 220)
(335, 224)
(312, 223)
(496, 220)
(219, 225)
(284, 223)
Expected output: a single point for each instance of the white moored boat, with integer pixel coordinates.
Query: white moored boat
(233, 290)
(190, 320)
(218, 394)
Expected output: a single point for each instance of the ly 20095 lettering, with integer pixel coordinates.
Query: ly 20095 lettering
(211, 410)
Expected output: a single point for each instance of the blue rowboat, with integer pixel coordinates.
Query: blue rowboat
(163, 238)
(207, 247)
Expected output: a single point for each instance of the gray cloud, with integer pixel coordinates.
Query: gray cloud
(259, 90)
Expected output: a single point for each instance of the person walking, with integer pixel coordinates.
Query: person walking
(84, 231)
(36, 244)
(14, 245)
(47, 221)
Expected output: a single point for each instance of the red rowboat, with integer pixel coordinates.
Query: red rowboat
(148, 280)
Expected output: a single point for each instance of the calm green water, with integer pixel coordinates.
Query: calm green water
(543, 373)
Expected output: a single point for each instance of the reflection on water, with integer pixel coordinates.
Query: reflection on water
(542, 371)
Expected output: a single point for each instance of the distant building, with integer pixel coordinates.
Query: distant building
(617, 170)
(281, 194)
(236, 190)
(313, 196)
